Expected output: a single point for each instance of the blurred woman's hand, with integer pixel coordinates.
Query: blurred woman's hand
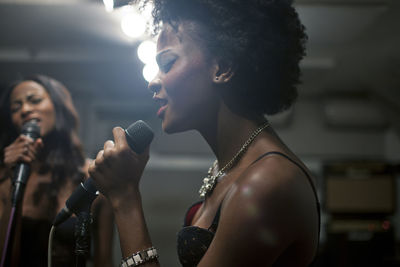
(23, 149)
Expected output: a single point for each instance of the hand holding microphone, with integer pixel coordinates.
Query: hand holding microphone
(120, 164)
(25, 147)
(112, 169)
(20, 154)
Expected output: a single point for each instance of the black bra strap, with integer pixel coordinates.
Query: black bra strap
(215, 221)
(308, 178)
(294, 162)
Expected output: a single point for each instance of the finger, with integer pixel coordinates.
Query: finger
(108, 148)
(32, 153)
(26, 159)
(109, 144)
(21, 158)
(92, 168)
(12, 156)
(29, 150)
(119, 137)
(39, 143)
(26, 138)
(21, 141)
(99, 157)
(25, 149)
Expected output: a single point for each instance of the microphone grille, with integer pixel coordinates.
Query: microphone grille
(31, 129)
(139, 135)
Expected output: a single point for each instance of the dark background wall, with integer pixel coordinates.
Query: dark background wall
(348, 110)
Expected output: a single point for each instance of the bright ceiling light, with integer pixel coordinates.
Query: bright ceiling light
(147, 52)
(133, 25)
(109, 5)
(150, 71)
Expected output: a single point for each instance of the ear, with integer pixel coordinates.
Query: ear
(223, 72)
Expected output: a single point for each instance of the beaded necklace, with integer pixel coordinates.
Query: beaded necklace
(210, 181)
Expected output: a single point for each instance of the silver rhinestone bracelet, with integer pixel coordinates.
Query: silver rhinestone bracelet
(140, 257)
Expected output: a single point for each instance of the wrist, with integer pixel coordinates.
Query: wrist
(126, 201)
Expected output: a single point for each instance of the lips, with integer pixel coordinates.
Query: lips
(163, 106)
(31, 119)
(161, 111)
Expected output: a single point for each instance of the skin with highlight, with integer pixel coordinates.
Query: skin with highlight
(186, 76)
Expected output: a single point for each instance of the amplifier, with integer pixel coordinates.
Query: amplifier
(372, 195)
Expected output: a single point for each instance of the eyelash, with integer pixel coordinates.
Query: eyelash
(165, 68)
(33, 101)
(36, 100)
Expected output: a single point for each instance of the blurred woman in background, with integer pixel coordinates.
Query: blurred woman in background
(57, 167)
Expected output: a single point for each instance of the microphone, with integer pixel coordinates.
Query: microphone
(138, 135)
(22, 170)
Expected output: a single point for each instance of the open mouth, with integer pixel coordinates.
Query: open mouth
(161, 110)
(163, 105)
(37, 120)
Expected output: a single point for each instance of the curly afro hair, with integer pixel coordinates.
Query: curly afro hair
(264, 40)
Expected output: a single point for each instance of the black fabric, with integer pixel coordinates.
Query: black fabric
(193, 241)
(35, 234)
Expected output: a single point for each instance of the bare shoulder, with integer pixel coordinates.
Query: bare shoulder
(273, 178)
(270, 213)
(271, 206)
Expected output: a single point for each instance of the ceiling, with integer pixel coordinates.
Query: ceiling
(353, 47)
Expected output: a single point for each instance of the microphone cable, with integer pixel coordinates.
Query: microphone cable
(6, 241)
(50, 245)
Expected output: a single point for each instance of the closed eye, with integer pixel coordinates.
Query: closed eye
(17, 105)
(36, 100)
(166, 67)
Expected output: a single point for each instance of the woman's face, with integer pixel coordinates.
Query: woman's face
(184, 86)
(29, 100)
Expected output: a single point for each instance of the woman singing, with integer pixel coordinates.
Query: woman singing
(57, 166)
(224, 65)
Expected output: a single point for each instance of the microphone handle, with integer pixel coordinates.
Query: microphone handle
(22, 171)
(21, 175)
(80, 200)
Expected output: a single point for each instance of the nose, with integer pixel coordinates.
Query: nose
(155, 85)
(26, 109)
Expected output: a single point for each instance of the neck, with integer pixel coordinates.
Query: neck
(227, 134)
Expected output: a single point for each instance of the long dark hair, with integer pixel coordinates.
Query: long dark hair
(62, 154)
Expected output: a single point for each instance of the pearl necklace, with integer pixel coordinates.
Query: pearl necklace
(209, 182)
